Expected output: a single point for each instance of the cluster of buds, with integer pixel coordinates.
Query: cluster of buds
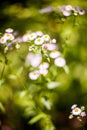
(66, 10)
(42, 47)
(77, 112)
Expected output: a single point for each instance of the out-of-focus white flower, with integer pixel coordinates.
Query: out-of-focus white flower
(60, 62)
(51, 46)
(46, 10)
(52, 85)
(73, 106)
(34, 75)
(76, 111)
(83, 114)
(43, 71)
(39, 41)
(46, 103)
(66, 13)
(39, 33)
(46, 37)
(33, 59)
(3, 40)
(44, 65)
(45, 46)
(68, 7)
(32, 36)
(25, 37)
(53, 41)
(17, 46)
(9, 36)
(9, 30)
(54, 54)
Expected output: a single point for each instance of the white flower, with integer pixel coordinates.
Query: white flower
(17, 46)
(33, 59)
(9, 36)
(34, 75)
(9, 30)
(68, 7)
(39, 41)
(73, 106)
(53, 41)
(39, 33)
(25, 38)
(51, 46)
(76, 111)
(32, 36)
(43, 71)
(66, 13)
(60, 62)
(83, 114)
(3, 40)
(54, 54)
(46, 37)
(44, 65)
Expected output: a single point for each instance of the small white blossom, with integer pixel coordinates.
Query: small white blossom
(73, 106)
(53, 41)
(39, 41)
(51, 46)
(46, 37)
(39, 33)
(9, 36)
(9, 30)
(33, 59)
(34, 75)
(54, 54)
(44, 65)
(66, 13)
(25, 38)
(68, 7)
(43, 71)
(83, 114)
(60, 62)
(32, 36)
(76, 111)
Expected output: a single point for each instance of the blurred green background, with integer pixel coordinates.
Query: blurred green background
(71, 35)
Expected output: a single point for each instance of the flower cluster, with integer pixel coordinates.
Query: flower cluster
(78, 112)
(66, 10)
(8, 39)
(41, 50)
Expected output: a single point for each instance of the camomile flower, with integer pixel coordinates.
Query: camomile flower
(9, 30)
(32, 36)
(54, 54)
(33, 59)
(76, 111)
(9, 36)
(73, 106)
(39, 41)
(46, 37)
(53, 41)
(44, 65)
(43, 71)
(60, 62)
(3, 40)
(39, 33)
(25, 37)
(68, 7)
(51, 46)
(34, 75)
(66, 13)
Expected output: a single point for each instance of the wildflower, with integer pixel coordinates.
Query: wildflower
(60, 62)
(54, 54)
(9, 36)
(46, 10)
(53, 41)
(34, 75)
(46, 37)
(44, 65)
(66, 13)
(25, 38)
(33, 59)
(78, 112)
(39, 33)
(39, 41)
(32, 36)
(9, 30)
(51, 46)
(3, 40)
(43, 71)
(68, 7)
(17, 46)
